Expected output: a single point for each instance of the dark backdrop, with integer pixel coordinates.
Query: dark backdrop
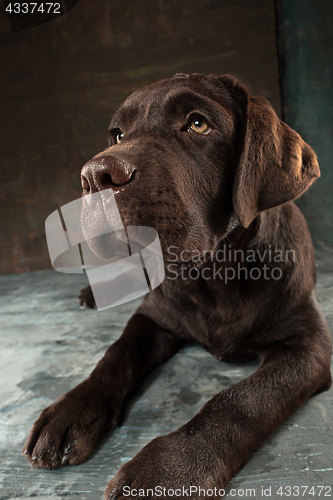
(61, 82)
(305, 41)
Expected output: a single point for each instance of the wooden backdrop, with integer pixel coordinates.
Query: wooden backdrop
(62, 81)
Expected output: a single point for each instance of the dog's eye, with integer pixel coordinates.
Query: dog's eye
(118, 137)
(199, 126)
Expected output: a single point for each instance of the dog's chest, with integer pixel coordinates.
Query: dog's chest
(217, 323)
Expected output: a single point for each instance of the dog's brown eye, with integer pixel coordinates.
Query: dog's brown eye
(118, 137)
(199, 126)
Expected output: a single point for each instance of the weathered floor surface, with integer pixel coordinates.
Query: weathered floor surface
(49, 344)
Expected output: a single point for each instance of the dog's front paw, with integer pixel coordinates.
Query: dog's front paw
(67, 431)
(86, 298)
(172, 466)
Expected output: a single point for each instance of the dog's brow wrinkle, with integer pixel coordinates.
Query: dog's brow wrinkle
(149, 110)
(126, 114)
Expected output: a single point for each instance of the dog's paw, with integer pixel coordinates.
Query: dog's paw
(67, 431)
(172, 466)
(86, 298)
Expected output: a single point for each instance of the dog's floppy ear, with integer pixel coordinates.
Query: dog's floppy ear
(276, 165)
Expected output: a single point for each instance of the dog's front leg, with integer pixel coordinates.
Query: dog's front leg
(207, 451)
(67, 431)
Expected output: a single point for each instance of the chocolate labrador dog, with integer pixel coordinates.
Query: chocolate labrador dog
(214, 171)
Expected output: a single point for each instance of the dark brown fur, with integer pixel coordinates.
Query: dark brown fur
(229, 189)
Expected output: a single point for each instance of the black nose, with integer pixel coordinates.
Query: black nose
(106, 172)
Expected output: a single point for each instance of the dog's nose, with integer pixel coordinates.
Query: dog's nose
(106, 172)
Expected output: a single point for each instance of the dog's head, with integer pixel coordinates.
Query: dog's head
(195, 156)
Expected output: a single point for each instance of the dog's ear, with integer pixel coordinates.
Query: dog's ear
(276, 165)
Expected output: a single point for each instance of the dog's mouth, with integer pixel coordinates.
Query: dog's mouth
(102, 226)
(106, 236)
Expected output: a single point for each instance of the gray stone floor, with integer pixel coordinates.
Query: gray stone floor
(49, 344)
